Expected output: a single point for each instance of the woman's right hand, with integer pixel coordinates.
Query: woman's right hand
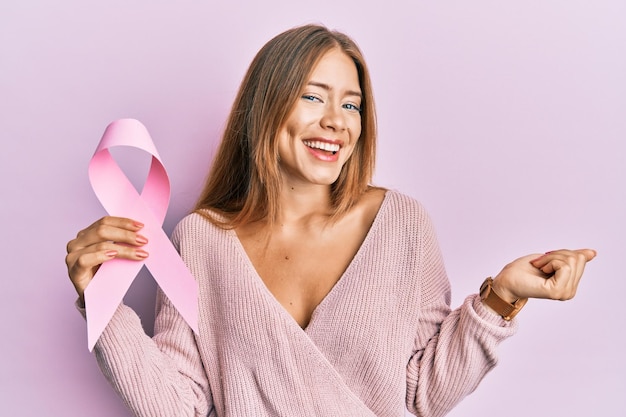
(106, 239)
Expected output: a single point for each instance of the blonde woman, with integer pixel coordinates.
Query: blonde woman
(320, 294)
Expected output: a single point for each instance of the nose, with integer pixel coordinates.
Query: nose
(333, 117)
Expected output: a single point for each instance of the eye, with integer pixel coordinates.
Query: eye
(312, 98)
(352, 107)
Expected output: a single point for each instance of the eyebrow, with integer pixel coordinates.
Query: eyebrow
(329, 88)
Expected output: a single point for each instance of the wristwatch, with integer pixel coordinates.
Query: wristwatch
(497, 304)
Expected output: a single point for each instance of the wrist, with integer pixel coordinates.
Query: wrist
(497, 304)
(503, 291)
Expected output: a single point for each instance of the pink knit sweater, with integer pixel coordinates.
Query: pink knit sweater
(383, 338)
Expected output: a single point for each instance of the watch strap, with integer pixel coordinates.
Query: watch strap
(496, 303)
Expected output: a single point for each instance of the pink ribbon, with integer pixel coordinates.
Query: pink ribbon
(120, 198)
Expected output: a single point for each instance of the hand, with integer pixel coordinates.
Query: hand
(106, 239)
(554, 275)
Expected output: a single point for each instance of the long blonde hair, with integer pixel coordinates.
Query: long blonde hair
(244, 182)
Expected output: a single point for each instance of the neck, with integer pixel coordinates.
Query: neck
(304, 204)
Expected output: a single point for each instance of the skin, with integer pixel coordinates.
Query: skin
(327, 112)
(312, 251)
(554, 275)
(302, 255)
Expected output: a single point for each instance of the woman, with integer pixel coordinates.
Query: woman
(320, 295)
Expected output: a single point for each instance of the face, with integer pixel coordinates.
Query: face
(322, 129)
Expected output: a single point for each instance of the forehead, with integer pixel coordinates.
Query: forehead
(335, 68)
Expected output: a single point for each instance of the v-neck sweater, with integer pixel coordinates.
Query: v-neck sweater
(384, 338)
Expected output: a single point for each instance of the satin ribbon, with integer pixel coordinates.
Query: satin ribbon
(120, 198)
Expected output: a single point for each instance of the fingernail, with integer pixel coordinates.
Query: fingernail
(141, 239)
(141, 253)
(549, 252)
(110, 253)
(138, 225)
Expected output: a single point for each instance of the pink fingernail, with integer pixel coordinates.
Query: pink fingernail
(110, 253)
(142, 240)
(138, 225)
(141, 253)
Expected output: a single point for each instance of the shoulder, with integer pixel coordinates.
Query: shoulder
(195, 226)
(377, 199)
(403, 206)
(404, 216)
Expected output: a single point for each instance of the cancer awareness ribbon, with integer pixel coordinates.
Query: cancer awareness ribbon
(120, 198)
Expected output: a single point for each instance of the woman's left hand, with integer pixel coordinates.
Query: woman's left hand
(554, 275)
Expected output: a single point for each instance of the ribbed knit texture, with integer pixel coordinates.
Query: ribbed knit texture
(383, 338)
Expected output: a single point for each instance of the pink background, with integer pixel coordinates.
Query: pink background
(506, 119)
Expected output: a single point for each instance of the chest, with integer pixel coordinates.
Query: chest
(301, 267)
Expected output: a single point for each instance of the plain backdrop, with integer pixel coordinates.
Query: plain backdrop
(506, 119)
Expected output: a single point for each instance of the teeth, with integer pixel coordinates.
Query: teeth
(325, 146)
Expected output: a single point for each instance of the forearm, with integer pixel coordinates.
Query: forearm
(149, 381)
(455, 359)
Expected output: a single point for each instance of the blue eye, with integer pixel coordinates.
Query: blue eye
(309, 97)
(352, 107)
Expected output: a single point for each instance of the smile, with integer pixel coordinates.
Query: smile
(324, 146)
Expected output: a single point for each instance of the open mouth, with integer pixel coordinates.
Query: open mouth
(329, 148)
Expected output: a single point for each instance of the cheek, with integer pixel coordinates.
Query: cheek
(348, 155)
(355, 133)
(355, 137)
(355, 129)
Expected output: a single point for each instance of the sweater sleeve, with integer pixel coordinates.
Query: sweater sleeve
(453, 350)
(160, 376)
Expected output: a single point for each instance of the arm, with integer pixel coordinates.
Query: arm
(453, 350)
(155, 377)
(162, 376)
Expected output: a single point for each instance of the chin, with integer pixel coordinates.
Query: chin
(325, 179)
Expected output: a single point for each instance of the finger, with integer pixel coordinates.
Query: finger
(121, 222)
(556, 264)
(113, 229)
(550, 263)
(541, 261)
(589, 254)
(82, 264)
(95, 254)
(566, 273)
(82, 267)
